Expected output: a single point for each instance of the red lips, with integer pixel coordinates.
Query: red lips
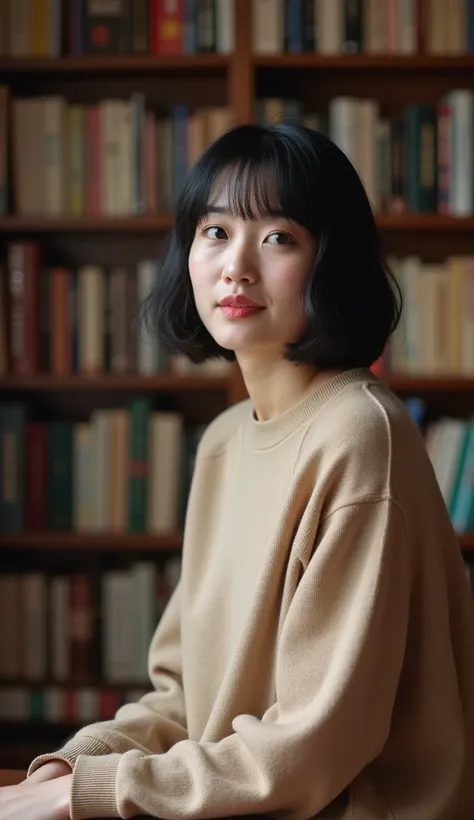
(239, 301)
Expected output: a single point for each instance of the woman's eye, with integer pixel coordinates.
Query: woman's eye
(279, 238)
(214, 232)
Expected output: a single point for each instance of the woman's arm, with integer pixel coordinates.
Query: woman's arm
(153, 724)
(332, 713)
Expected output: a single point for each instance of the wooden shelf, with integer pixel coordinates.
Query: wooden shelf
(87, 224)
(113, 64)
(466, 541)
(164, 222)
(132, 63)
(110, 382)
(368, 62)
(75, 682)
(422, 384)
(425, 222)
(118, 542)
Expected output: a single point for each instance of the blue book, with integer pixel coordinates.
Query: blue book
(190, 27)
(294, 26)
(463, 507)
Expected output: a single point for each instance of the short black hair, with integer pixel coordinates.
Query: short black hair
(351, 301)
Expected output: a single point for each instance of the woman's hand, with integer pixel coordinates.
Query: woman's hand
(49, 771)
(29, 800)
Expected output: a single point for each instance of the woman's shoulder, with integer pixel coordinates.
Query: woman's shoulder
(363, 432)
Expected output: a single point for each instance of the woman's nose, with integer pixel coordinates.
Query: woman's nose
(240, 267)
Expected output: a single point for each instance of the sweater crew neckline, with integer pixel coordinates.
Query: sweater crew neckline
(264, 434)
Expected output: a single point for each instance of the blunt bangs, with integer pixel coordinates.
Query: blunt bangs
(258, 173)
(351, 302)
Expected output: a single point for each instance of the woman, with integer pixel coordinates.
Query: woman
(316, 658)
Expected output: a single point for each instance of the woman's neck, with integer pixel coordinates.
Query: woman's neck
(276, 386)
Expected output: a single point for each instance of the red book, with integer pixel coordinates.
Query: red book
(36, 471)
(109, 703)
(166, 26)
(422, 12)
(81, 612)
(23, 278)
(61, 322)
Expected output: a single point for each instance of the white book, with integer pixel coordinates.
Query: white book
(225, 26)
(329, 26)
(267, 26)
(87, 704)
(144, 582)
(124, 161)
(55, 123)
(118, 625)
(434, 319)
(91, 318)
(343, 125)
(407, 26)
(461, 200)
(147, 345)
(467, 350)
(166, 441)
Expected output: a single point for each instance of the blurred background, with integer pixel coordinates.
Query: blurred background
(104, 106)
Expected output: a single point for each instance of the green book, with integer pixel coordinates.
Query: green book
(421, 157)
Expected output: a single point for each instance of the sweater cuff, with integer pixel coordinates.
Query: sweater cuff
(93, 787)
(79, 745)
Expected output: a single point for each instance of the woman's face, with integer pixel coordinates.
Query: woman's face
(260, 267)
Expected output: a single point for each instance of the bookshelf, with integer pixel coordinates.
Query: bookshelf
(235, 81)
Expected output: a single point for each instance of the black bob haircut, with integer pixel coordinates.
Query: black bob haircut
(351, 302)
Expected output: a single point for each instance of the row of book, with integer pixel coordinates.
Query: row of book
(112, 158)
(50, 28)
(179, 27)
(368, 26)
(87, 626)
(88, 320)
(419, 160)
(65, 703)
(117, 158)
(435, 335)
(123, 470)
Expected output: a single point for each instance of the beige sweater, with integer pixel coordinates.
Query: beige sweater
(317, 656)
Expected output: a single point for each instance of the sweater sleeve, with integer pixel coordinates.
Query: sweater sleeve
(332, 711)
(154, 723)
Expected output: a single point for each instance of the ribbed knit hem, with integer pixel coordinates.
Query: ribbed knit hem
(69, 753)
(93, 791)
(263, 434)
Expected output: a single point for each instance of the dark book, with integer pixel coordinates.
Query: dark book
(107, 26)
(352, 31)
(12, 467)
